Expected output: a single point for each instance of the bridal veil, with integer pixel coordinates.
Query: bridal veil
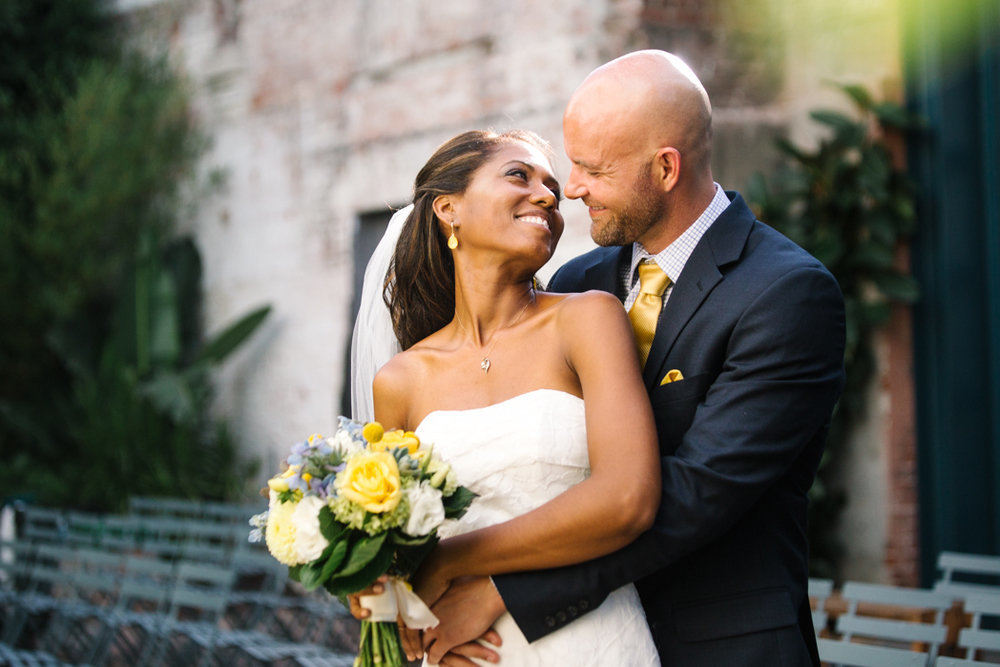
(373, 342)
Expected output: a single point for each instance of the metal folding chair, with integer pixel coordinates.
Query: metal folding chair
(42, 524)
(819, 591)
(909, 628)
(143, 600)
(840, 652)
(75, 626)
(189, 631)
(945, 661)
(964, 574)
(984, 634)
(49, 583)
(16, 657)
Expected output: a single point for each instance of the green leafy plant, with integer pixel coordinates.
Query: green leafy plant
(105, 376)
(847, 203)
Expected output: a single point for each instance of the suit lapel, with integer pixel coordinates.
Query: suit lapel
(722, 244)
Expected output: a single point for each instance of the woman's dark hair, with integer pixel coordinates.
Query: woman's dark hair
(420, 285)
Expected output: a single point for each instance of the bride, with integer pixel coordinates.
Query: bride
(536, 399)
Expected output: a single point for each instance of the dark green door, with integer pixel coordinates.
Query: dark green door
(953, 80)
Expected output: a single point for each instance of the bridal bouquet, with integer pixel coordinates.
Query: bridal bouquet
(352, 507)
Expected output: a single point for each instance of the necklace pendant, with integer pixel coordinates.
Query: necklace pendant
(485, 364)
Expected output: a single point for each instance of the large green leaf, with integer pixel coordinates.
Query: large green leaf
(331, 529)
(363, 552)
(165, 333)
(337, 551)
(352, 583)
(834, 119)
(787, 147)
(456, 504)
(859, 94)
(894, 115)
(898, 287)
(233, 336)
(872, 256)
(311, 576)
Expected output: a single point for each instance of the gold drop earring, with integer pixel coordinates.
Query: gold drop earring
(452, 240)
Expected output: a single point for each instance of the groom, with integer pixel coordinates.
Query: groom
(742, 337)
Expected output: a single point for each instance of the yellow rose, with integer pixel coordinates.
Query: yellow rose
(371, 479)
(397, 438)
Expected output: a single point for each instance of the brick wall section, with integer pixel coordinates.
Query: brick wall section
(896, 377)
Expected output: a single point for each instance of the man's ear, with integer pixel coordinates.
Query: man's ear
(668, 167)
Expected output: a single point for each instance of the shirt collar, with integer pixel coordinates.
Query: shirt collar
(673, 258)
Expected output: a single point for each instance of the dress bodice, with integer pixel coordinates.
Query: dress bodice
(516, 454)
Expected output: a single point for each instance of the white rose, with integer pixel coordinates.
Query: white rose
(426, 510)
(309, 540)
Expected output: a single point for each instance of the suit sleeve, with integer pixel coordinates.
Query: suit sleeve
(771, 400)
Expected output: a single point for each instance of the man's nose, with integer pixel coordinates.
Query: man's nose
(574, 184)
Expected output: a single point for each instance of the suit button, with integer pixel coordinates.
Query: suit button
(549, 621)
(583, 605)
(561, 615)
(573, 611)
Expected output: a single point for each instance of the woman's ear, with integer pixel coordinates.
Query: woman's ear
(444, 208)
(668, 167)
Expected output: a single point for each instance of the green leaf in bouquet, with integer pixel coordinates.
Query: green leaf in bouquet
(293, 572)
(397, 537)
(337, 552)
(362, 553)
(344, 584)
(329, 526)
(456, 504)
(311, 575)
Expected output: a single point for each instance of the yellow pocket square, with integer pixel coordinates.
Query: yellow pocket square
(672, 376)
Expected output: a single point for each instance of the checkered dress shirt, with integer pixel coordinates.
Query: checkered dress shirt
(672, 258)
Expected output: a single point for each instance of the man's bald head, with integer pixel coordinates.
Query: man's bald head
(648, 99)
(638, 134)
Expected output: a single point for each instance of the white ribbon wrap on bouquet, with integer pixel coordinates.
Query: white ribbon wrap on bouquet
(399, 600)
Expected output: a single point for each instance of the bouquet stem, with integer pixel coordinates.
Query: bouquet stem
(380, 645)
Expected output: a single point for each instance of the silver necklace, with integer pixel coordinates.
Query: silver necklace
(486, 363)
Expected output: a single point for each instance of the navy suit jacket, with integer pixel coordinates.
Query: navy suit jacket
(756, 326)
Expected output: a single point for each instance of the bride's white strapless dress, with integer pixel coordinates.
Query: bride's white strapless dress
(517, 455)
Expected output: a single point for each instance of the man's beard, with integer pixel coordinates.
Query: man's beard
(627, 225)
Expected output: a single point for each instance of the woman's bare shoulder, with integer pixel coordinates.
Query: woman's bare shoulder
(402, 370)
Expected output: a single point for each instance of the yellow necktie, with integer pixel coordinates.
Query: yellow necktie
(646, 309)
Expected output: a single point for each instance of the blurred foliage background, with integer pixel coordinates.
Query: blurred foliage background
(848, 203)
(105, 385)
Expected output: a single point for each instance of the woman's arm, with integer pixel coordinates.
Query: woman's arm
(617, 502)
